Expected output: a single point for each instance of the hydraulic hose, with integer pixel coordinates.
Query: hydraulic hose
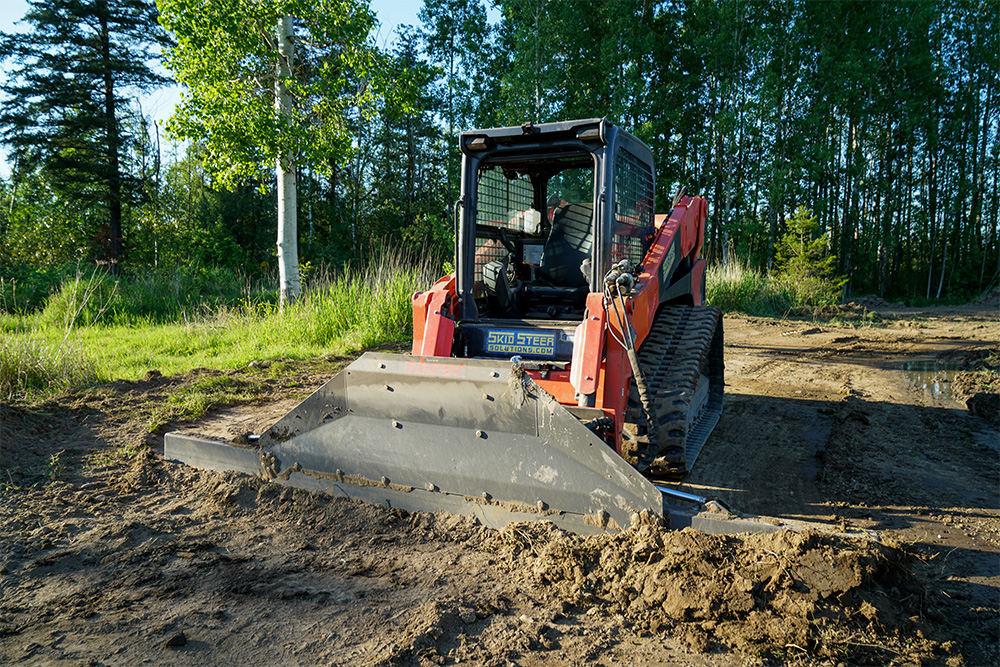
(617, 278)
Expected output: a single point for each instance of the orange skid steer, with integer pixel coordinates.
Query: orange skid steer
(566, 365)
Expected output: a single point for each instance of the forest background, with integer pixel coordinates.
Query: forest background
(855, 141)
(879, 117)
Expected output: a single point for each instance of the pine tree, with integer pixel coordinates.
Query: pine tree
(66, 96)
(803, 256)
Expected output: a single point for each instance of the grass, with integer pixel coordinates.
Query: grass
(194, 401)
(81, 337)
(735, 287)
(93, 328)
(31, 363)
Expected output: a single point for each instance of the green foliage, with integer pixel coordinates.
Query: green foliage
(65, 111)
(42, 229)
(430, 233)
(805, 263)
(404, 176)
(736, 287)
(877, 114)
(454, 35)
(226, 55)
(32, 366)
(189, 221)
(357, 307)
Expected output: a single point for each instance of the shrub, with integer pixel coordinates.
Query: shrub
(25, 289)
(79, 300)
(153, 296)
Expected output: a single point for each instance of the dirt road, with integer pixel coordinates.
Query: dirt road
(109, 556)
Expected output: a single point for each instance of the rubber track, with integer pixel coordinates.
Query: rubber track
(683, 343)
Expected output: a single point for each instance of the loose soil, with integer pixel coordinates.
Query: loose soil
(111, 556)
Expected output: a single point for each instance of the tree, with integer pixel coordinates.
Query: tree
(270, 85)
(455, 33)
(64, 102)
(803, 256)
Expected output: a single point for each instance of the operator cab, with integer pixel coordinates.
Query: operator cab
(546, 210)
(534, 237)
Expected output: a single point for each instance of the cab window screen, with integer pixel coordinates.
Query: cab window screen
(633, 208)
(498, 200)
(499, 197)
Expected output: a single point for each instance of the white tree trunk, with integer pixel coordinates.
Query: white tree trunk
(288, 250)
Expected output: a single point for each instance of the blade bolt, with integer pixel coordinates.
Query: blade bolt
(486, 496)
(480, 434)
(388, 388)
(396, 424)
(338, 472)
(431, 487)
(486, 397)
(385, 480)
(541, 506)
(381, 365)
(494, 374)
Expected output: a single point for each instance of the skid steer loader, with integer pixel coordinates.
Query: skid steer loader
(566, 365)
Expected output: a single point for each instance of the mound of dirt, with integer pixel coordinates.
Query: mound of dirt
(991, 299)
(873, 302)
(226, 548)
(845, 312)
(767, 595)
(986, 406)
(978, 384)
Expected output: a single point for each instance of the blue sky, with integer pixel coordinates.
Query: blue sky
(160, 103)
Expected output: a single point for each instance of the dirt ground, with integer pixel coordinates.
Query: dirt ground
(110, 556)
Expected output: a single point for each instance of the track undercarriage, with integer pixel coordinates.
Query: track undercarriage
(681, 360)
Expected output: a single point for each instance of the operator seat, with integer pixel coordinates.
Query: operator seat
(570, 242)
(498, 288)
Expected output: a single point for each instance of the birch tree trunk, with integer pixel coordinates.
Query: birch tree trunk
(288, 250)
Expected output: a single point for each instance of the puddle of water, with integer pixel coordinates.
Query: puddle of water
(933, 376)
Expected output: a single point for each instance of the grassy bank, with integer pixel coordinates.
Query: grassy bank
(91, 328)
(86, 333)
(738, 288)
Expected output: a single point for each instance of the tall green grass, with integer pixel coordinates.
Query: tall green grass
(735, 287)
(354, 308)
(30, 366)
(121, 331)
(154, 296)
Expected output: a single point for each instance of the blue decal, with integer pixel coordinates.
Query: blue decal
(529, 343)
